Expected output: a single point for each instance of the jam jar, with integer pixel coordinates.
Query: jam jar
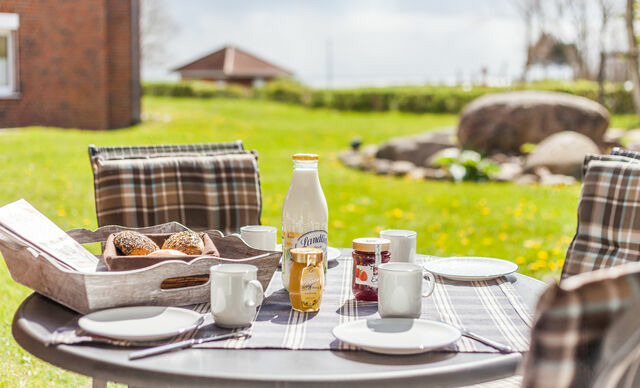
(368, 254)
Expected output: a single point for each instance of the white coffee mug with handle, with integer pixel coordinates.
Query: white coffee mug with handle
(261, 237)
(400, 289)
(235, 294)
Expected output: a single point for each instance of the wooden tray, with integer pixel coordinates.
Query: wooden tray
(86, 292)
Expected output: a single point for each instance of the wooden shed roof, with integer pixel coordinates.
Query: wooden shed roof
(231, 61)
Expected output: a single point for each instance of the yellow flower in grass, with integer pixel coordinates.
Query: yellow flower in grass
(487, 241)
(520, 260)
(464, 241)
(503, 236)
(543, 255)
(455, 203)
(529, 244)
(485, 211)
(61, 211)
(86, 222)
(397, 213)
(337, 224)
(351, 208)
(379, 229)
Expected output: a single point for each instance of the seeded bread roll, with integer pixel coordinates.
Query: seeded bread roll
(134, 244)
(167, 252)
(188, 242)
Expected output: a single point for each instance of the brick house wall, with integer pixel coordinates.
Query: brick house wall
(78, 64)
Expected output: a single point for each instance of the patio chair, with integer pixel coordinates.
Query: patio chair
(202, 186)
(584, 328)
(608, 231)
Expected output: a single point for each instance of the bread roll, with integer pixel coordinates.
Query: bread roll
(134, 244)
(167, 252)
(188, 242)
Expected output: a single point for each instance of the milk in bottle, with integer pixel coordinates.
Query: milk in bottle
(305, 216)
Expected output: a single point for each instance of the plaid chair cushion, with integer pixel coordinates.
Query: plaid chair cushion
(218, 190)
(571, 321)
(629, 154)
(608, 231)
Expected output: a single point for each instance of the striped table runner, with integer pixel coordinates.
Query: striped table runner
(489, 308)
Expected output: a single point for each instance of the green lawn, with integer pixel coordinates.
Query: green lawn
(50, 168)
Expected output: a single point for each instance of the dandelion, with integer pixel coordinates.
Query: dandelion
(520, 260)
(337, 224)
(61, 211)
(86, 222)
(556, 251)
(455, 203)
(351, 208)
(397, 213)
(503, 236)
(379, 229)
(487, 241)
(464, 241)
(543, 255)
(529, 244)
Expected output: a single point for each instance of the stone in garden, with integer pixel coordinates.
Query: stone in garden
(381, 166)
(349, 158)
(526, 179)
(417, 148)
(631, 140)
(503, 122)
(614, 136)
(562, 153)
(401, 167)
(451, 152)
(369, 151)
(508, 172)
(435, 174)
(557, 179)
(417, 173)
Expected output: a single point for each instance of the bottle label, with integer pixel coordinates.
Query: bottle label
(311, 286)
(367, 275)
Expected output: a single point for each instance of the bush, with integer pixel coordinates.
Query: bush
(414, 99)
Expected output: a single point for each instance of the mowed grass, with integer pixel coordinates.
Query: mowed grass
(49, 167)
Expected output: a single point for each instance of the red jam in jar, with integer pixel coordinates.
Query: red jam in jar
(368, 254)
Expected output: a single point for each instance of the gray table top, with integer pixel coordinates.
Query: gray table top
(38, 317)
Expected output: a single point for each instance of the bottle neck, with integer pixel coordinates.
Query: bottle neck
(305, 165)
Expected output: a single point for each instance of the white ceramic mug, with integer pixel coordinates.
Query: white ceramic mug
(400, 289)
(235, 294)
(403, 244)
(260, 236)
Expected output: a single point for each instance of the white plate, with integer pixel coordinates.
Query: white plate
(333, 253)
(397, 335)
(140, 323)
(471, 268)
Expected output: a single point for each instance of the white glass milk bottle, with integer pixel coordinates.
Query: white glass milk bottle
(305, 216)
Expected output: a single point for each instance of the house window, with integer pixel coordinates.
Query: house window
(8, 54)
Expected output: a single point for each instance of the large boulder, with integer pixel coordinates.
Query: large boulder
(417, 148)
(562, 153)
(503, 122)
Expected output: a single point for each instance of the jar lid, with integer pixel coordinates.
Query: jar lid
(305, 157)
(368, 244)
(307, 255)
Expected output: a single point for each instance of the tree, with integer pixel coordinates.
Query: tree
(156, 29)
(632, 55)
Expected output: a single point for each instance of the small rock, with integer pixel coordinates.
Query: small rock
(562, 153)
(369, 151)
(508, 172)
(350, 158)
(500, 158)
(435, 174)
(541, 171)
(526, 179)
(381, 166)
(417, 173)
(557, 179)
(401, 167)
(613, 136)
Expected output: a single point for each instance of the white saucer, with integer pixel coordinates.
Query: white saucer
(140, 323)
(397, 335)
(470, 268)
(332, 253)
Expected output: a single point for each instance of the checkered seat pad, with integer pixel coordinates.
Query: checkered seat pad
(608, 232)
(572, 323)
(202, 187)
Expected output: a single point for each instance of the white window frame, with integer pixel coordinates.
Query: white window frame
(9, 23)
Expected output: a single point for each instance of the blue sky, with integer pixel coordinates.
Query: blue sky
(372, 42)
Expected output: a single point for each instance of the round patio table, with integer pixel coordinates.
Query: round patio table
(37, 317)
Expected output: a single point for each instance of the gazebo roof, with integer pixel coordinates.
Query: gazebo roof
(231, 61)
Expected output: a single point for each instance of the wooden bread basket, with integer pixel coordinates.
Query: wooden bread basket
(168, 283)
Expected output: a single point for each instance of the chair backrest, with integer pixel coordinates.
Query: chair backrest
(608, 231)
(202, 186)
(570, 324)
